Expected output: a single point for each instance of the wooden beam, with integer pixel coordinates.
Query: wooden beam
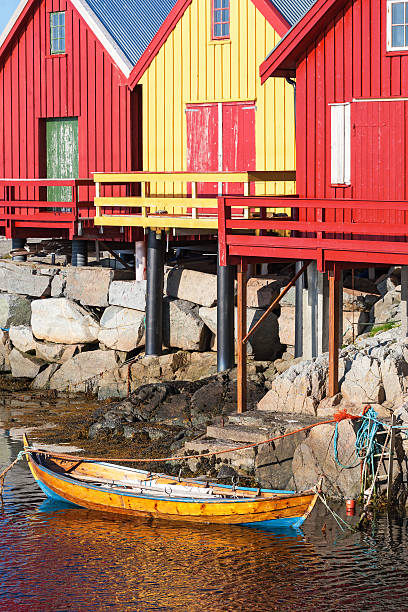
(275, 302)
(334, 321)
(241, 332)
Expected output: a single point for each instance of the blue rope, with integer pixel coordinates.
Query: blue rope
(366, 445)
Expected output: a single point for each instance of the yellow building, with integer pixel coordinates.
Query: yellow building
(204, 108)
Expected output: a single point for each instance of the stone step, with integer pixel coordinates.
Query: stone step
(239, 433)
(270, 420)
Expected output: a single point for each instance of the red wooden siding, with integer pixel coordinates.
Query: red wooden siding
(349, 61)
(202, 142)
(84, 82)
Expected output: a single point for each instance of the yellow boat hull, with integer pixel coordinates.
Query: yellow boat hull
(61, 480)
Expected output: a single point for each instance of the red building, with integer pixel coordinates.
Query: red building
(350, 62)
(66, 110)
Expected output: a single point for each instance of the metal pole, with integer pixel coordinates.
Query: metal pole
(79, 253)
(225, 317)
(241, 331)
(154, 296)
(18, 244)
(334, 320)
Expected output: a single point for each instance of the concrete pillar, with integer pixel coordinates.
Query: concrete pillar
(404, 301)
(18, 243)
(154, 295)
(79, 253)
(140, 260)
(225, 318)
(299, 287)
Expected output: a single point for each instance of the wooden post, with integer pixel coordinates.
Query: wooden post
(391, 459)
(334, 320)
(241, 332)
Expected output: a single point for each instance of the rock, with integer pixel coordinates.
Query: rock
(385, 283)
(56, 353)
(23, 279)
(394, 374)
(23, 365)
(360, 284)
(362, 382)
(286, 323)
(357, 300)
(14, 310)
(62, 321)
(81, 373)
(264, 345)
(58, 284)
(388, 308)
(183, 328)
(22, 338)
(42, 380)
(90, 286)
(4, 352)
(281, 365)
(122, 329)
(262, 290)
(128, 294)
(273, 464)
(192, 286)
(299, 389)
(354, 324)
(314, 458)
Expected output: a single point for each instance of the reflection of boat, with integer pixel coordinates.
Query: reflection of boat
(110, 488)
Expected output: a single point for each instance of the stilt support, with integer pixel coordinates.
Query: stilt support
(18, 244)
(225, 318)
(154, 296)
(140, 260)
(241, 333)
(79, 253)
(334, 336)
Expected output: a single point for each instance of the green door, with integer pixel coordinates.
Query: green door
(62, 155)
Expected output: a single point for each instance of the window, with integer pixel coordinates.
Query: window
(397, 25)
(220, 19)
(57, 33)
(340, 144)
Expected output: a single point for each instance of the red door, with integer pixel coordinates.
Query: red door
(221, 137)
(378, 153)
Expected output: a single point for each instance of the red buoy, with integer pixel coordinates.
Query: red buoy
(351, 506)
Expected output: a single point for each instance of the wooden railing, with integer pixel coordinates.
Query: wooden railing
(192, 210)
(24, 203)
(331, 230)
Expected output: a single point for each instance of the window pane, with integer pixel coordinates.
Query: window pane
(54, 18)
(62, 18)
(225, 29)
(398, 36)
(217, 4)
(225, 15)
(217, 16)
(406, 36)
(217, 29)
(225, 3)
(398, 12)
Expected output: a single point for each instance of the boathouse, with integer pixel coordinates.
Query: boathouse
(350, 62)
(66, 110)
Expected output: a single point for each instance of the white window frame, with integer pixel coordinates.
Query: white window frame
(389, 26)
(340, 144)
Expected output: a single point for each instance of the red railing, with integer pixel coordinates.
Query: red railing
(332, 230)
(24, 204)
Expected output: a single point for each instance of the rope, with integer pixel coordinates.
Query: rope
(365, 445)
(336, 517)
(337, 417)
(5, 472)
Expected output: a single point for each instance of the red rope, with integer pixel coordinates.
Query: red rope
(339, 416)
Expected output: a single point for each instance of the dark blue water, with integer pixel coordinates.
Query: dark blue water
(54, 558)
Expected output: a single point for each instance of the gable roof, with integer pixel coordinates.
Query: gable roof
(281, 14)
(283, 59)
(124, 27)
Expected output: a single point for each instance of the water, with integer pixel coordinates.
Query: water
(54, 558)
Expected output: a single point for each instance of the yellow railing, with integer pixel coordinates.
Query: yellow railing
(181, 211)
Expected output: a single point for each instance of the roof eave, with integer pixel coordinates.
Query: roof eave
(284, 58)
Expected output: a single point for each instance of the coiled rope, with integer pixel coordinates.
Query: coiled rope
(366, 445)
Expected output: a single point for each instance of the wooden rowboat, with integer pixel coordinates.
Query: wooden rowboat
(122, 490)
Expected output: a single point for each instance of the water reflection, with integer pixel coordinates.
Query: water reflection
(54, 557)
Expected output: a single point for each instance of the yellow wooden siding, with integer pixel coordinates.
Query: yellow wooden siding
(191, 68)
